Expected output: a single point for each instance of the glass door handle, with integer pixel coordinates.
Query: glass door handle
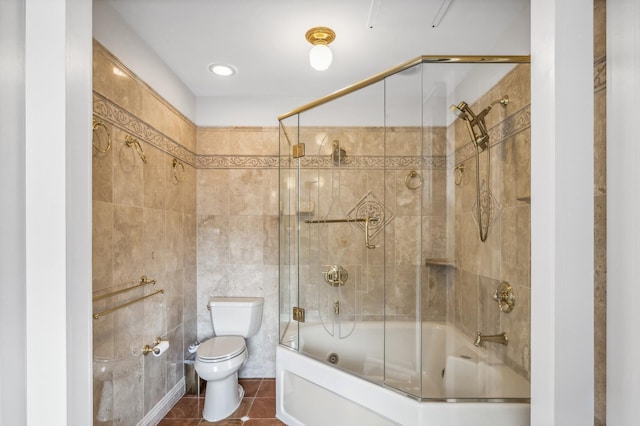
(366, 232)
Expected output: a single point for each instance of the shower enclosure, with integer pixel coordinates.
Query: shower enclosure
(405, 229)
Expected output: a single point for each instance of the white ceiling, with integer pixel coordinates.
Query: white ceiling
(265, 40)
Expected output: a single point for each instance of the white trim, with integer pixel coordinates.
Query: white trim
(78, 209)
(163, 406)
(58, 212)
(562, 329)
(46, 247)
(12, 215)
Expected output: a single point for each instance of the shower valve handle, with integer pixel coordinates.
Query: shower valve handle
(336, 276)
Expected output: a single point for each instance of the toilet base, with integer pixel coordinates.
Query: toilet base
(222, 398)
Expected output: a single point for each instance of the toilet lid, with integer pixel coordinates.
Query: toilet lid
(221, 348)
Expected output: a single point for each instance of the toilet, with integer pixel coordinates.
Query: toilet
(218, 359)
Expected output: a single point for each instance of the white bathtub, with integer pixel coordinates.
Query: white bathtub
(311, 392)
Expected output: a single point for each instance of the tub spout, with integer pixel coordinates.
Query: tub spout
(501, 338)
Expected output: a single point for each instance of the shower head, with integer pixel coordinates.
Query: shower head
(460, 110)
(473, 121)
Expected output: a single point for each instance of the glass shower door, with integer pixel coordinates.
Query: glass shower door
(341, 219)
(404, 185)
(288, 231)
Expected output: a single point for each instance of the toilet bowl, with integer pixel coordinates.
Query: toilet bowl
(218, 361)
(219, 358)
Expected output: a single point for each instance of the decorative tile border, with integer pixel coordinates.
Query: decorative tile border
(370, 163)
(236, 162)
(509, 127)
(112, 113)
(117, 116)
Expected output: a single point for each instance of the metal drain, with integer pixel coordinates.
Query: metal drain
(333, 358)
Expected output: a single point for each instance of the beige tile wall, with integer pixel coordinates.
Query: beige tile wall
(505, 255)
(144, 223)
(237, 215)
(600, 209)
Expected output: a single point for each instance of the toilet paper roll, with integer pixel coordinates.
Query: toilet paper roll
(160, 348)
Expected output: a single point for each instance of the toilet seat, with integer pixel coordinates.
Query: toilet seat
(221, 348)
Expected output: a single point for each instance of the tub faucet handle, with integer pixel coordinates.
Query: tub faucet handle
(505, 297)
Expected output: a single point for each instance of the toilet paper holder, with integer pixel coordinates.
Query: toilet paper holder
(152, 349)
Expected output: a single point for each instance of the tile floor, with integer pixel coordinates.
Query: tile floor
(258, 407)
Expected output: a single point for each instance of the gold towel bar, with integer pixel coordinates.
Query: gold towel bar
(97, 315)
(358, 219)
(143, 281)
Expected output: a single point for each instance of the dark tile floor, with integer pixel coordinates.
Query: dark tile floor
(258, 407)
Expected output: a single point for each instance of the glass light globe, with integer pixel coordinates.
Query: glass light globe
(320, 57)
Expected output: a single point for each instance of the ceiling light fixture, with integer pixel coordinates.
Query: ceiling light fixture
(320, 55)
(222, 70)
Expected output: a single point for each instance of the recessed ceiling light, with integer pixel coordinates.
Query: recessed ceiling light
(222, 70)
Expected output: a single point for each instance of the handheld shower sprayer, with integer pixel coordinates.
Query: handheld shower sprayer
(464, 112)
(480, 140)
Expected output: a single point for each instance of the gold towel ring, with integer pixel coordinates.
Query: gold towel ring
(412, 175)
(95, 125)
(133, 142)
(177, 163)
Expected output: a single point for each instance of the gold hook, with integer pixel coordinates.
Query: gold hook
(131, 141)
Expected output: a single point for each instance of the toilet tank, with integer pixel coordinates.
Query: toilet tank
(236, 316)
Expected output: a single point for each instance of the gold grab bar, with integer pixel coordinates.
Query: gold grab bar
(143, 281)
(97, 315)
(133, 142)
(358, 219)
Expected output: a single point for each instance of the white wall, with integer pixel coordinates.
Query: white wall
(623, 209)
(12, 215)
(562, 385)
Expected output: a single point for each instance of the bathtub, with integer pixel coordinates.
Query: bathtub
(460, 385)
